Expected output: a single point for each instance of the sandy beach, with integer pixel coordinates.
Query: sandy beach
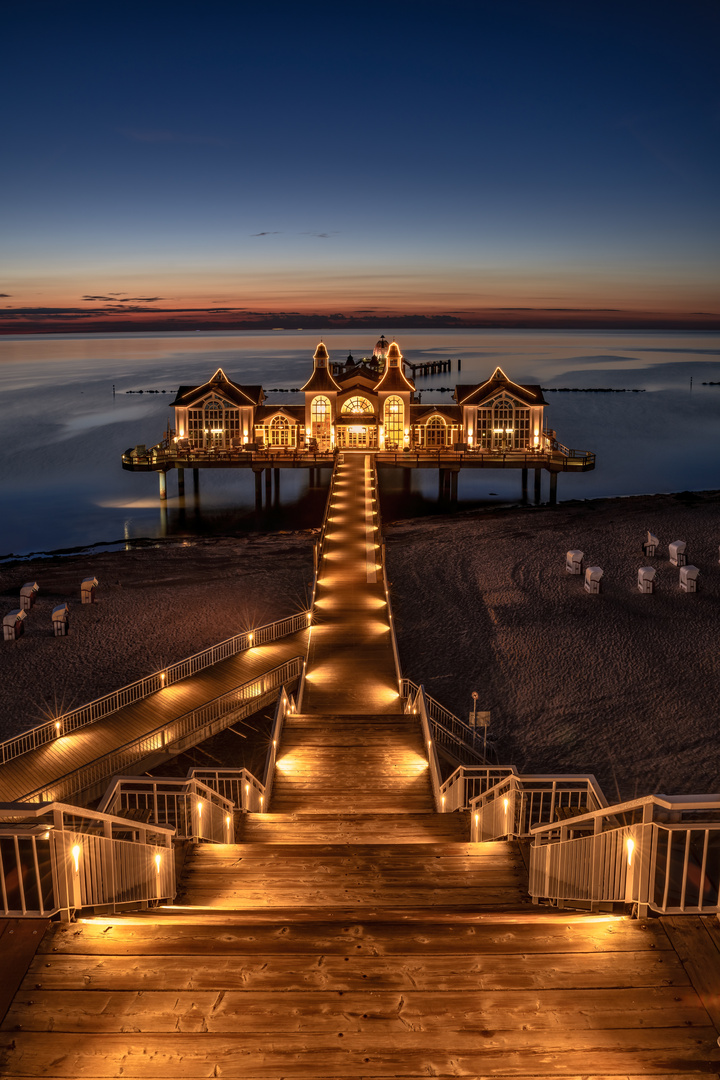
(622, 685)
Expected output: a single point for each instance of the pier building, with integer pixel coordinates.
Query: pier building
(369, 406)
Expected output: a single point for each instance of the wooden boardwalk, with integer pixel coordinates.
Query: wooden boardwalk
(350, 660)
(40, 767)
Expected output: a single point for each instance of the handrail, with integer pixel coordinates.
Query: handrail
(420, 707)
(191, 807)
(150, 684)
(659, 853)
(61, 858)
(517, 803)
(469, 781)
(451, 732)
(386, 585)
(483, 458)
(176, 734)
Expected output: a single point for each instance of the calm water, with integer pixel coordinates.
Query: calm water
(64, 432)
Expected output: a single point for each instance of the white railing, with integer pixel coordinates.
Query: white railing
(56, 859)
(317, 559)
(458, 738)
(151, 684)
(419, 708)
(239, 785)
(175, 735)
(470, 781)
(193, 809)
(660, 853)
(517, 804)
(386, 586)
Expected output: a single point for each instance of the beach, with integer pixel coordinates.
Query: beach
(621, 685)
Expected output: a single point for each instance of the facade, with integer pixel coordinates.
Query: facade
(366, 405)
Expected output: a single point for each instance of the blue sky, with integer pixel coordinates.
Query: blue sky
(404, 156)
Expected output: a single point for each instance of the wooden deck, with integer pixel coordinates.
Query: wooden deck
(350, 660)
(40, 767)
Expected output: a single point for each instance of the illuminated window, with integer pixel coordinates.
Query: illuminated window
(279, 431)
(435, 432)
(320, 410)
(394, 422)
(357, 405)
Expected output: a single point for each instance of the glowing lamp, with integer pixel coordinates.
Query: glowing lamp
(57, 726)
(76, 857)
(505, 806)
(630, 848)
(158, 860)
(251, 637)
(199, 809)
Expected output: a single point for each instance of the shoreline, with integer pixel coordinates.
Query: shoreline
(621, 685)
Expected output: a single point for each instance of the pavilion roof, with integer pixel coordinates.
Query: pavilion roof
(222, 386)
(422, 412)
(292, 412)
(530, 394)
(320, 381)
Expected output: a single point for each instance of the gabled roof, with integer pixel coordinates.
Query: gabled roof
(296, 413)
(420, 413)
(222, 386)
(530, 394)
(394, 379)
(357, 375)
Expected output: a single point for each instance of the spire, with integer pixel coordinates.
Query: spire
(321, 356)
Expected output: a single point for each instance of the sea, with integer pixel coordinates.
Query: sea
(646, 403)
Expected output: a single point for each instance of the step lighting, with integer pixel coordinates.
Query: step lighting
(505, 806)
(158, 860)
(76, 857)
(630, 844)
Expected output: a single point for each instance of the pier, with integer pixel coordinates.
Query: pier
(354, 911)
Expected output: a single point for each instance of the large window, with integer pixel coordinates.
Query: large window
(213, 426)
(357, 405)
(509, 424)
(320, 415)
(279, 431)
(435, 432)
(394, 422)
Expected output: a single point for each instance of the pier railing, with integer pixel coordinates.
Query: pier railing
(150, 684)
(192, 808)
(56, 859)
(660, 853)
(172, 737)
(561, 458)
(515, 805)
(458, 738)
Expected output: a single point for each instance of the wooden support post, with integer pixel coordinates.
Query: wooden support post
(524, 485)
(181, 481)
(276, 484)
(268, 486)
(454, 484)
(441, 483)
(196, 479)
(538, 486)
(163, 486)
(406, 479)
(258, 489)
(553, 488)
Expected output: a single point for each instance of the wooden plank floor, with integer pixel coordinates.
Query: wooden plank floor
(41, 766)
(543, 994)
(350, 659)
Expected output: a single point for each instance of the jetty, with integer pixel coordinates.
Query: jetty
(370, 405)
(380, 901)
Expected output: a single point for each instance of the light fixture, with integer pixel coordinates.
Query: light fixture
(76, 857)
(158, 860)
(630, 848)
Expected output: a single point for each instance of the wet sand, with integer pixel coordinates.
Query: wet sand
(622, 685)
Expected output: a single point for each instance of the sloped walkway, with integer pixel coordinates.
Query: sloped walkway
(41, 767)
(351, 668)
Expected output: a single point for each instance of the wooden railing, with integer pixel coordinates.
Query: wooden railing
(150, 684)
(174, 457)
(470, 781)
(56, 859)
(458, 738)
(420, 708)
(517, 804)
(660, 853)
(175, 735)
(193, 809)
(560, 457)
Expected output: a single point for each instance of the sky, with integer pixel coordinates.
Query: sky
(208, 164)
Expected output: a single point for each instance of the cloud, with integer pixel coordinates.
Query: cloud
(117, 298)
(145, 135)
(321, 235)
(5, 295)
(275, 232)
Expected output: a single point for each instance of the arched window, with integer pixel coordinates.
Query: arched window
(357, 405)
(394, 422)
(435, 432)
(279, 431)
(320, 410)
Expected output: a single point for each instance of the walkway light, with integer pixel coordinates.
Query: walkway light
(158, 860)
(199, 809)
(630, 843)
(58, 726)
(505, 806)
(76, 857)
(250, 637)
(262, 803)
(162, 678)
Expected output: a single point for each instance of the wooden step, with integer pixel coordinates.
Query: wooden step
(338, 827)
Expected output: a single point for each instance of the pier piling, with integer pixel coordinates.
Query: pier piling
(524, 485)
(181, 482)
(162, 479)
(553, 488)
(538, 486)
